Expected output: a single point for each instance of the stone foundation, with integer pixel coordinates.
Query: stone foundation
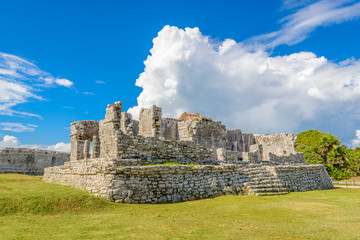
(168, 184)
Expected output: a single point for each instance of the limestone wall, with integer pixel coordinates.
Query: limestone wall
(299, 178)
(279, 144)
(208, 133)
(238, 141)
(150, 122)
(30, 161)
(128, 125)
(154, 148)
(108, 138)
(82, 133)
(280, 148)
(292, 158)
(169, 128)
(166, 184)
(93, 175)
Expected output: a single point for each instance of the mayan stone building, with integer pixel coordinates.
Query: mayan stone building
(30, 161)
(129, 161)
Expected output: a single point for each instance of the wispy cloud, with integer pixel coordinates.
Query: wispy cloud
(17, 127)
(88, 93)
(297, 26)
(99, 82)
(19, 82)
(13, 142)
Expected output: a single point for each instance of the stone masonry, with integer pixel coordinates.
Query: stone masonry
(133, 162)
(30, 161)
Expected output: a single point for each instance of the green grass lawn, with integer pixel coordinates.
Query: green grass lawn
(33, 209)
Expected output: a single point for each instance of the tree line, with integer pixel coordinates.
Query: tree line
(325, 148)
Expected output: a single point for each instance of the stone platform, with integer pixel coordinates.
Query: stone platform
(167, 184)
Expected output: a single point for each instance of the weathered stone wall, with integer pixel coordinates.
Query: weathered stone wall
(128, 125)
(150, 122)
(108, 138)
(238, 141)
(208, 133)
(113, 111)
(82, 133)
(278, 144)
(254, 155)
(153, 148)
(30, 161)
(169, 128)
(186, 116)
(280, 148)
(93, 175)
(292, 158)
(166, 184)
(299, 178)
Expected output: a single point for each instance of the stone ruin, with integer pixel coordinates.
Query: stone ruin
(30, 161)
(165, 160)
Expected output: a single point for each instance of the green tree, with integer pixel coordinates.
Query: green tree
(324, 148)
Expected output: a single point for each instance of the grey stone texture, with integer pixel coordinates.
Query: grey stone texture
(127, 164)
(169, 128)
(30, 161)
(82, 133)
(280, 148)
(167, 184)
(150, 122)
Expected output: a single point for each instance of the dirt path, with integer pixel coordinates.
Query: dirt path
(344, 186)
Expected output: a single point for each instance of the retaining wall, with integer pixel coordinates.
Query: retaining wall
(167, 184)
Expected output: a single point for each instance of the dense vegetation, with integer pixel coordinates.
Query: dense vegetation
(324, 148)
(33, 209)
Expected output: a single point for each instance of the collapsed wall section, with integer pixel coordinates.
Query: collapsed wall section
(280, 148)
(238, 141)
(208, 133)
(30, 161)
(150, 122)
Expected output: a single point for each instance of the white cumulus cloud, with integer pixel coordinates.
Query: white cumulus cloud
(61, 146)
(9, 141)
(13, 142)
(246, 89)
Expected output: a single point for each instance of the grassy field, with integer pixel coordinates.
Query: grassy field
(33, 209)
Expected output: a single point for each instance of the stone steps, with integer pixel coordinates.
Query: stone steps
(263, 183)
(270, 193)
(265, 190)
(266, 182)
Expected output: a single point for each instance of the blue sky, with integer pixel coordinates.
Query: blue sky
(260, 66)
